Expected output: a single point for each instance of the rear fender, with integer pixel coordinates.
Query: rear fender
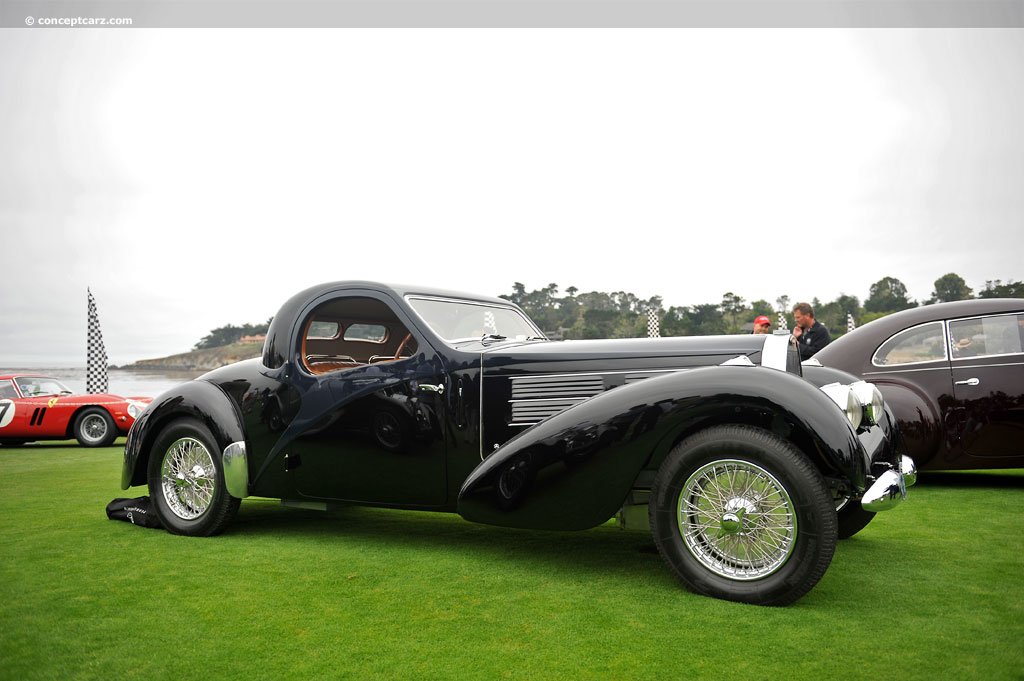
(574, 470)
(200, 400)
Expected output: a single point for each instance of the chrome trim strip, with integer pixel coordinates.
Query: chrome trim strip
(602, 373)
(986, 366)
(897, 371)
(774, 351)
(236, 470)
(944, 368)
(996, 354)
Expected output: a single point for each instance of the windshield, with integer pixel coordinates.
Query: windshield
(463, 320)
(34, 386)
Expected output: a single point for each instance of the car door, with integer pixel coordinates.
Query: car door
(373, 409)
(988, 383)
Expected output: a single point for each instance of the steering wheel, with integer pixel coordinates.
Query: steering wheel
(402, 345)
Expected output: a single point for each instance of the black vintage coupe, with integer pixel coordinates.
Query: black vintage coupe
(953, 374)
(415, 398)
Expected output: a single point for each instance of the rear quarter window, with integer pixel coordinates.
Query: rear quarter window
(924, 343)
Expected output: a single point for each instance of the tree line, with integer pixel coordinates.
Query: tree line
(623, 315)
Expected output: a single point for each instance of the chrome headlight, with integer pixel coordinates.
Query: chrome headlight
(871, 400)
(135, 409)
(847, 400)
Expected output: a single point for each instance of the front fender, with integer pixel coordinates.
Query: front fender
(574, 470)
(200, 400)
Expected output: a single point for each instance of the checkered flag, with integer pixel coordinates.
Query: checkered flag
(490, 326)
(850, 325)
(96, 376)
(653, 330)
(783, 326)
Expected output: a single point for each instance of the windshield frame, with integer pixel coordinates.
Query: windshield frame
(512, 307)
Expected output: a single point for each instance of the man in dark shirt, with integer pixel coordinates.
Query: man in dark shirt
(811, 335)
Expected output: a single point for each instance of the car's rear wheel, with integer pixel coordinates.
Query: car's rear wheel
(94, 427)
(740, 514)
(186, 481)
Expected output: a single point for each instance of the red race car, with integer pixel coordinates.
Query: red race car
(35, 407)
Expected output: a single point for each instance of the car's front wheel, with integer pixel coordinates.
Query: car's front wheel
(94, 427)
(186, 481)
(740, 514)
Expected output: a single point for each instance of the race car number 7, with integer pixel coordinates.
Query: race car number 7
(6, 412)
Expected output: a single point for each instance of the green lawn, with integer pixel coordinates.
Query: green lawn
(931, 590)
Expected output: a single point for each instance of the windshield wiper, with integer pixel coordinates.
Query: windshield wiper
(491, 336)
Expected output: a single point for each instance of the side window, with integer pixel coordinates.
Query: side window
(923, 343)
(999, 335)
(7, 390)
(350, 332)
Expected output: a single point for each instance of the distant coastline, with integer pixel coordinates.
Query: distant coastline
(199, 360)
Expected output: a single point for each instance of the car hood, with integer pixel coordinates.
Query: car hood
(619, 353)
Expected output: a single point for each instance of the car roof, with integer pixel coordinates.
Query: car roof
(403, 290)
(867, 337)
(4, 377)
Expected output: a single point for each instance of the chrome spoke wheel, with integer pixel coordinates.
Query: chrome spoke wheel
(737, 519)
(188, 478)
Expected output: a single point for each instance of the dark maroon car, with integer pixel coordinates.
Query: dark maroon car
(953, 374)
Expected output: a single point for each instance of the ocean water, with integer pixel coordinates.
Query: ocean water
(122, 383)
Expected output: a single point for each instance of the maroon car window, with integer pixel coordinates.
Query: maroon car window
(7, 390)
(997, 335)
(923, 343)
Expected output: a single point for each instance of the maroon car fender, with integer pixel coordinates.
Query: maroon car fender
(920, 424)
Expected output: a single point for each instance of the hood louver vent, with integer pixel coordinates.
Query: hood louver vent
(535, 398)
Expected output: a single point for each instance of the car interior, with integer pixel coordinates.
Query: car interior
(346, 333)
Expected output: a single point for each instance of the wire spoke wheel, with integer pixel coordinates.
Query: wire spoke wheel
(188, 478)
(739, 513)
(737, 519)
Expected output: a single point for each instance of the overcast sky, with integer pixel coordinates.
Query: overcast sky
(195, 178)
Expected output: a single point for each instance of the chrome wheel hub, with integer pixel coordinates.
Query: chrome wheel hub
(94, 427)
(188, 478)
(737, 519)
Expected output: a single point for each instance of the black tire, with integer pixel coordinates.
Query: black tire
(196, 502)
(852, 518)
(771, 553)
(94, 427)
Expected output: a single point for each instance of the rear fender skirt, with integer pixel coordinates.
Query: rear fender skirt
(200, 400)
(574, 470)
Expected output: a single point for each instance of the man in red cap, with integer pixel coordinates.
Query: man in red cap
(762, 325)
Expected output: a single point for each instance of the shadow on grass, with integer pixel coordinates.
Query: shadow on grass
(29, 447)
(601, 550)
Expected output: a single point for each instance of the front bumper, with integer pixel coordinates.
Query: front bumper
(890, 489)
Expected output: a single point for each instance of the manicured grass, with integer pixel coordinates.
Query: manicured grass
(931, 590)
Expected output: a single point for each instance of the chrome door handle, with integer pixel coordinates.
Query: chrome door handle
(969, 381)
(439, 389)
